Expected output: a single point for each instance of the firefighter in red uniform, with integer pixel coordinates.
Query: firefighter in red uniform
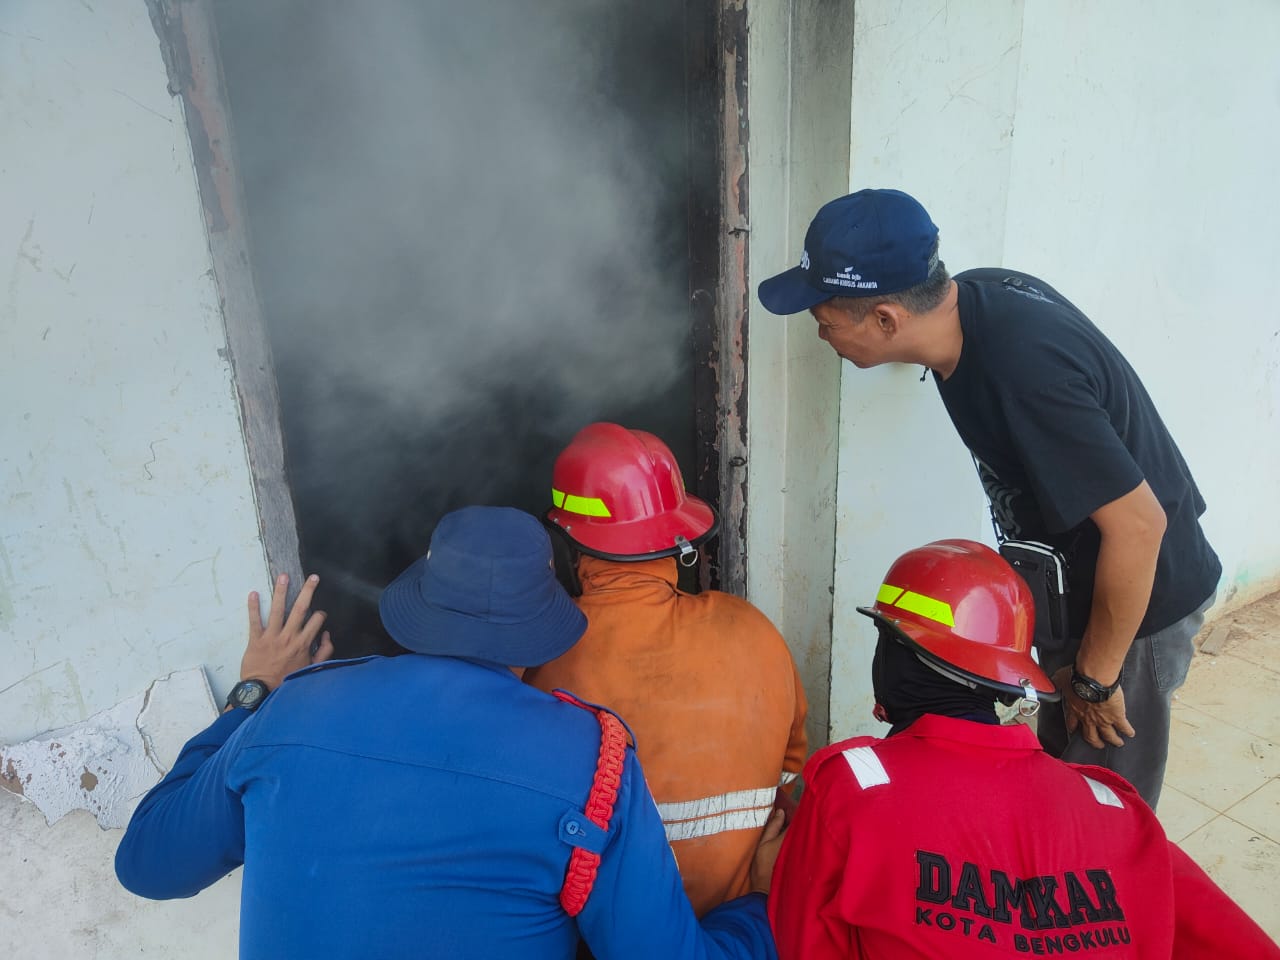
(958, 837)
(705, 681)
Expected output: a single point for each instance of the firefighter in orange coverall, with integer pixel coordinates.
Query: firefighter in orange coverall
(705, 681)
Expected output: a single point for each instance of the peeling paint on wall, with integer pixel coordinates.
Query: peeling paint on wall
(124, 472)
(106, 763)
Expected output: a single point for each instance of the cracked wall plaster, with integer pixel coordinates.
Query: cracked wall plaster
(106, 763)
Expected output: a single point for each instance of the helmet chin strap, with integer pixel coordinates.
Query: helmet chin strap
(949, 674)
(688, 552)
(1029, 705)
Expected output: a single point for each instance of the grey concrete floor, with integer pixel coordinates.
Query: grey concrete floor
(1221, 799)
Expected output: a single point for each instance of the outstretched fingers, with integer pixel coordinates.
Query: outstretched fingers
(255, 616)
(324, 649)
(279, 595)
(301, 606)
(284, 644)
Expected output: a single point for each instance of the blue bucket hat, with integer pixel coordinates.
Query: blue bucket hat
(486, 590)
(868, 243)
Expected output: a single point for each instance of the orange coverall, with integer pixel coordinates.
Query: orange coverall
(709, 688)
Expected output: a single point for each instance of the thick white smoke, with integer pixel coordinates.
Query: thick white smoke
(467, 229)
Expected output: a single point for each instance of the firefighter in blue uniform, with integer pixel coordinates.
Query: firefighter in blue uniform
(430, 804)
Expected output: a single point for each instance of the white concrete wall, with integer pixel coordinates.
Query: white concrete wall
(799, 155)
(1144, 181)
(130, 535)
(933, 103)
(1127, 153)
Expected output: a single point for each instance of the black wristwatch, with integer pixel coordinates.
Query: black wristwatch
(1089, 689)
(248, 695)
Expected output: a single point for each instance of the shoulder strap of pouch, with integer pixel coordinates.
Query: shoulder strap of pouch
(991, 507)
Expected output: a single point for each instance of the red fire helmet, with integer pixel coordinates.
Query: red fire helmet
(958, 604)
(618, 494)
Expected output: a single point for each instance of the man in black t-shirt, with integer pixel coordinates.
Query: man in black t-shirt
(1069, 446)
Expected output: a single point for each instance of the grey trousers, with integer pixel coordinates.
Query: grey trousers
(1154, 668)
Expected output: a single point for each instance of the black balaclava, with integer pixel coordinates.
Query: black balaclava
(907, 688)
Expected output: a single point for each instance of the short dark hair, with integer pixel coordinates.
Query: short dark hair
(921, 298)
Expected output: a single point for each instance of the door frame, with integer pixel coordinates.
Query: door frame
(718, 227)
(719, 233)
(189, 45)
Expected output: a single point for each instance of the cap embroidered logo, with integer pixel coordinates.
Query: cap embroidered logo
(886, 233)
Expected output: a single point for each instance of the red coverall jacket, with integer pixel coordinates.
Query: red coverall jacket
(709, 688)
(955, 839)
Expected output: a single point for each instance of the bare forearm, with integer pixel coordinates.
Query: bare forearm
(1122, 583)
(1132, 529)
(1121, 592)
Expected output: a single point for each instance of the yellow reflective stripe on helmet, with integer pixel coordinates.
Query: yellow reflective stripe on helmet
(931, 609)
(888, 593)
(583, 506)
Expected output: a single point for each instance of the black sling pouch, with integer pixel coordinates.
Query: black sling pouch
(1045, 571)
(1044, 568)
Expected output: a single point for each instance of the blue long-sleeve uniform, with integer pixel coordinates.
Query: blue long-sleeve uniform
(417, 806)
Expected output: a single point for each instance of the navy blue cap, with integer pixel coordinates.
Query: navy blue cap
(868, 243)
(486, 590)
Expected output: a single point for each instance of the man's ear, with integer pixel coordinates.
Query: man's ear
(887, 318)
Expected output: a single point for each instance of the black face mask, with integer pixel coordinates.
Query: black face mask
(906, 689)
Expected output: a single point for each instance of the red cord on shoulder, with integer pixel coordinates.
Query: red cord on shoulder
(580, 876)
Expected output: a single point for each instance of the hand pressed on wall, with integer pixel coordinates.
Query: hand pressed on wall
(280, 646)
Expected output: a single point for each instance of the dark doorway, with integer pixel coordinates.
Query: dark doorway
(470, 232)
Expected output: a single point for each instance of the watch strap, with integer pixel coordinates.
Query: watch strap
(248, 694)
(1101, 691)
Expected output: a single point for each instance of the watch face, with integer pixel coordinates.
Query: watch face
(1087, 691)
(248, 694)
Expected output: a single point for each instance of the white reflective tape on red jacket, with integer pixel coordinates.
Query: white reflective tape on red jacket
(737, 810)
(866, 766)
(1104, 794)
